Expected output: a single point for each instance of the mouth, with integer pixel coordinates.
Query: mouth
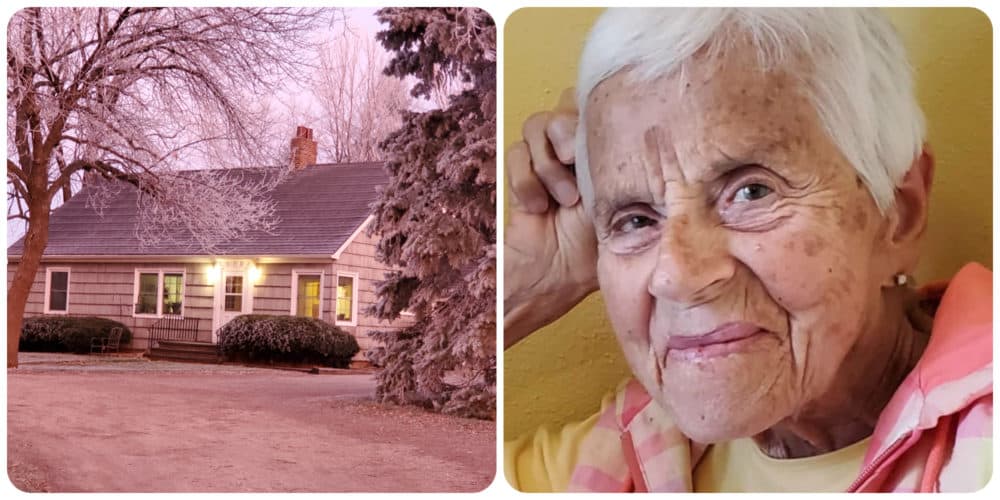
(726, 339)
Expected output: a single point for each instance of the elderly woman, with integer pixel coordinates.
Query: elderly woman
(749, 194)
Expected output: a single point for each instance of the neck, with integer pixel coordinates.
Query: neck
(870, 374)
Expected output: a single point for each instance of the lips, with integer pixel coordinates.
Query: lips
(728, 333)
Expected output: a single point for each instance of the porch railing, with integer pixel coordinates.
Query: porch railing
(173, 329)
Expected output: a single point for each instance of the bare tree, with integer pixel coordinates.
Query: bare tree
(359, 105)
(133, 95)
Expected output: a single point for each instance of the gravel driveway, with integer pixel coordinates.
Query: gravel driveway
(83, 423)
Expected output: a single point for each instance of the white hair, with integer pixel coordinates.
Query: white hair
(861, 83)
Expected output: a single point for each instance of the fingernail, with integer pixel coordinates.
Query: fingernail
(566, 193)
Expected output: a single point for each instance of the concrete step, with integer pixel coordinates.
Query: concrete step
(199, 347)
(195, 357)
(174, 350)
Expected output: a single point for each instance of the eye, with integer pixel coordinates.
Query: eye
(751, 192)
(632, 222)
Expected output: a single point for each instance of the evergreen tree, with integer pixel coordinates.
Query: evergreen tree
(437, 216)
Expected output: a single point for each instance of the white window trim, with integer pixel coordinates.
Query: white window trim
(48, 290)
(355, 298)
(295, 289)
(245, 304)
(159, 291)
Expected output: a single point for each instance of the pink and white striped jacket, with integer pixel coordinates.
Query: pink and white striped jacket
(934, 435)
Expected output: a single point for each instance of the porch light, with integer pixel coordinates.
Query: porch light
(212, 273)
(255, 274)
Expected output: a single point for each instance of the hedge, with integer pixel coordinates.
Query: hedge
(294, 339)
(66, 333)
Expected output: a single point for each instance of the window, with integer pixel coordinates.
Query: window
(307, 293)
(233, 294)
(173, 293)
(347, 299)
(148, 285)
(159, 292)
(57, 290)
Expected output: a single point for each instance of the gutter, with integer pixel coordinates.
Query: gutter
(200, 259)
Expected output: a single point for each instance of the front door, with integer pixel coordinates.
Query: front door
(232, 297)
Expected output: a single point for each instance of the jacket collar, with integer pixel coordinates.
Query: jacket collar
(956, 367)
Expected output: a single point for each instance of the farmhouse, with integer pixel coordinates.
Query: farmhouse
(318, 261)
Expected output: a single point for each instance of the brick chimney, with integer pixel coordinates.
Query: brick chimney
(303, 148)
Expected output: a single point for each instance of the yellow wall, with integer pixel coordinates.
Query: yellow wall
(559, 373)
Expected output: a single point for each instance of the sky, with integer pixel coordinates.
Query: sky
(363, 23)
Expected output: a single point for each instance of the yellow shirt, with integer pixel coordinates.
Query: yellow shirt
(740, 466)
(543, 461)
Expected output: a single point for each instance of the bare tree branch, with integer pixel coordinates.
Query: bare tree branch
(135, 94)
(360, 106)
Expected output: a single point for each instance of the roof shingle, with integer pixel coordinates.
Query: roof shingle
(318, 208)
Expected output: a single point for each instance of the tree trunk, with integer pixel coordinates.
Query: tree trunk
(35, 241)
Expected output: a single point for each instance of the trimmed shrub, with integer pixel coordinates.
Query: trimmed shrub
(290, 339)
(66, 333)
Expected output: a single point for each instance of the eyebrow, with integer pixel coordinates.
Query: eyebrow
(760, 153)
(605, 206)
(726, 164)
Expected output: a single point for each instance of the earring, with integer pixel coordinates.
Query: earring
(900, 279)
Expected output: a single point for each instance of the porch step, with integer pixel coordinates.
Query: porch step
(174, 350)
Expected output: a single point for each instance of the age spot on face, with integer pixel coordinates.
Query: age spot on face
(812, 246)
(842, 217)
(860, 218)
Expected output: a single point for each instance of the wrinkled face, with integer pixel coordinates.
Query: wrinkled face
(739, 253)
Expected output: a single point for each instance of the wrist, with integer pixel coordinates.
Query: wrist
(535, 308)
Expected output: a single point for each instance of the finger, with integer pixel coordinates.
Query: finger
(567, 101)
(555, 175)
(529, 193)
(561, 131)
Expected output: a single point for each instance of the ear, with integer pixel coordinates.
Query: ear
(908, 217)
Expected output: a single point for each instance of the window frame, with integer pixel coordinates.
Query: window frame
(47, 292)
(242, 294)
(294, 294)
(159, 272)
(355, 298)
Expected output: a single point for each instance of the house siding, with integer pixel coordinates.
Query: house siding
(106, 290)
(359, 257)
(272, 294)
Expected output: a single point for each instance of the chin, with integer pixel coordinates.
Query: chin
(714, 432)
(716, 423)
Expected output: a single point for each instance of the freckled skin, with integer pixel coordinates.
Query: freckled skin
(813, 246)
(804, 262)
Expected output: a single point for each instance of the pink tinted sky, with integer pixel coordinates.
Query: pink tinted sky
(365, 18)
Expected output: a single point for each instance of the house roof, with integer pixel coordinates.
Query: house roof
(318, 209)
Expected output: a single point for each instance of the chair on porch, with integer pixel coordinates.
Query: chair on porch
(104, 345)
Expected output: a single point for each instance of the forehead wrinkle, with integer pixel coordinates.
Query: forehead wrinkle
(655, 162)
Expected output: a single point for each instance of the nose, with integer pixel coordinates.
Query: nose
(693, 263)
